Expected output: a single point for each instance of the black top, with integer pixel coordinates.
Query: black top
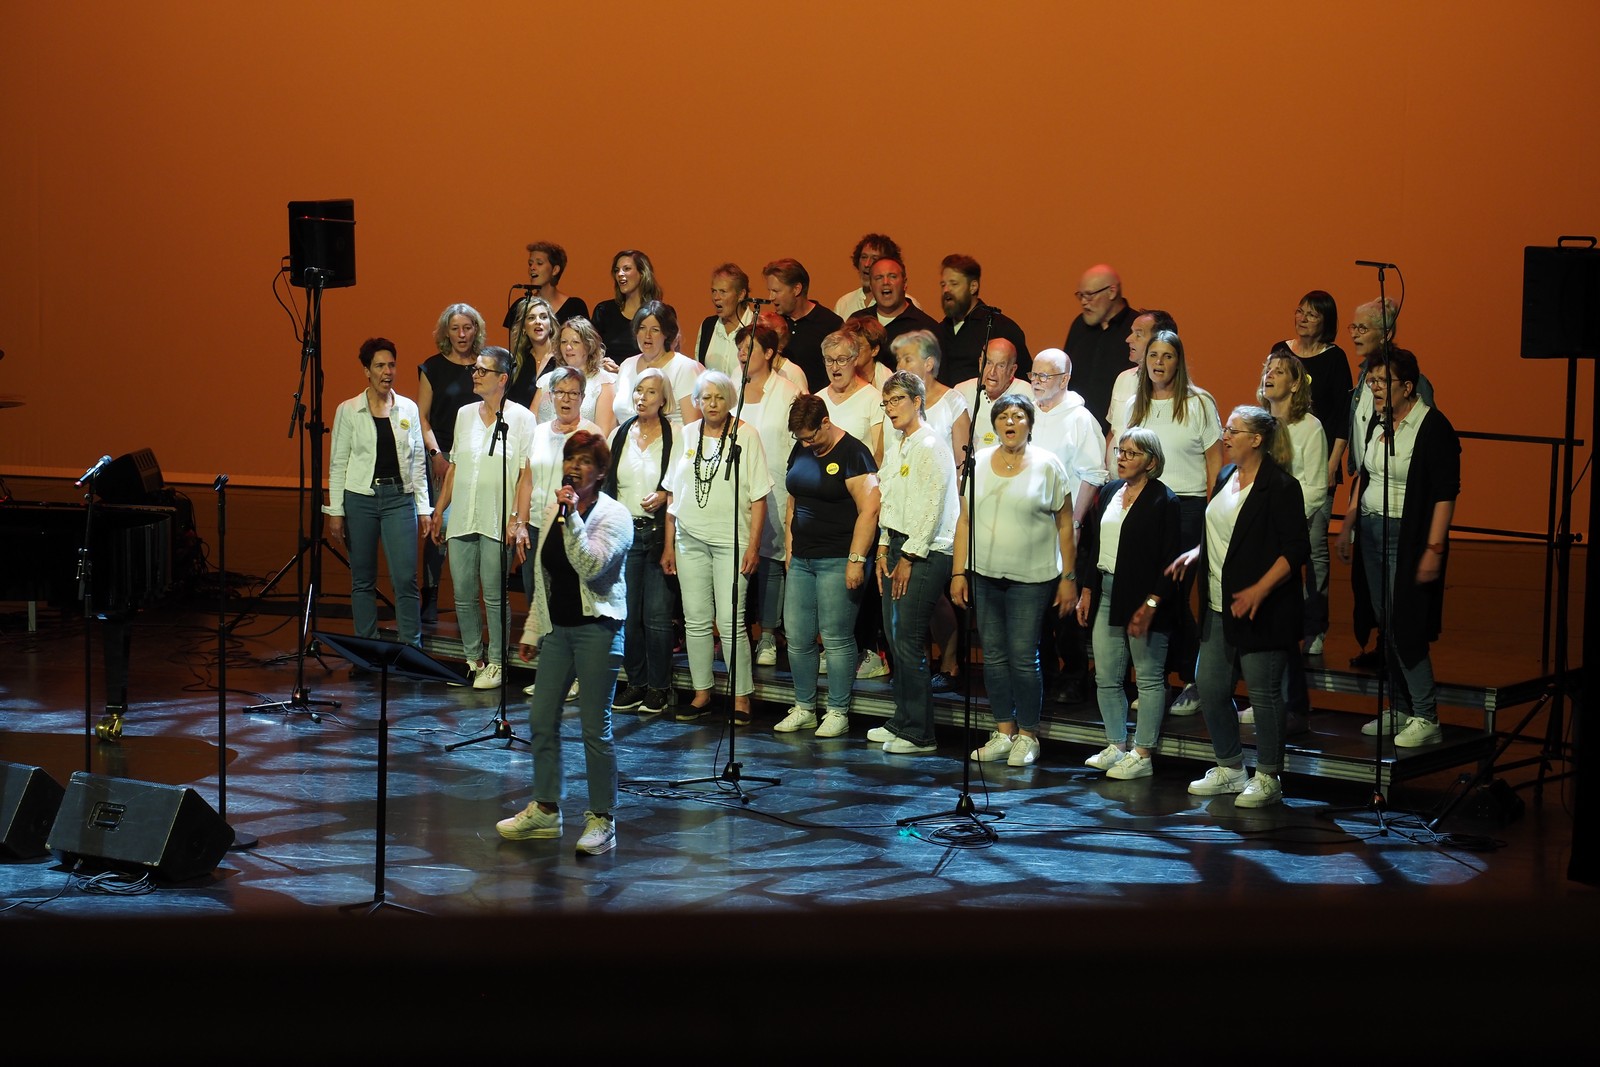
(805, 344)
(912, 318)
(1330, 391)
(616, 330)
(564, 594)
(452, 390)
(1271, 523)
(386, 464)
(1148, 544)
(1098, 356)
(824, 511)
(960, 350)
(571, 308)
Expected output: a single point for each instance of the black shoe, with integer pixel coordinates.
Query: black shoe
(689, 713)
(630, 698)
(1366, 661)
(656, 701)
(943, 683)
(1074, 690)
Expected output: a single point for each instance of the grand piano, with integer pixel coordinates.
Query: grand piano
(131, 554)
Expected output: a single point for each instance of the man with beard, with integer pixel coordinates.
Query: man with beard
(969, 322)
(789, 289)
(894, 310)
(1097, 339)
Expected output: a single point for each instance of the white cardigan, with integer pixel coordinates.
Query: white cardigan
(597, 547)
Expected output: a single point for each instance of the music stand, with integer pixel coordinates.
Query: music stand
(408, 661)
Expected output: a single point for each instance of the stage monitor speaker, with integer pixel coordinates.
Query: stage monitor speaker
(29, 800)
(322, 243)
(1560, 292)
(166, 829)
(132, 478)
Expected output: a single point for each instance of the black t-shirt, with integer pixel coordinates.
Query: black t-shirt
(1098, 356)
(959, 350)
(562, 595)
(452, 389)
(824, 511)
(805, 344)
(616, 330)
(570, 308)
(386, 463)
(912, 318)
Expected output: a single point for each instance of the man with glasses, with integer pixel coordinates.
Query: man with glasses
(1063, 425)
(1097, 339)
(968, 322)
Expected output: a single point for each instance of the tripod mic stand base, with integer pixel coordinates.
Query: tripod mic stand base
(964, 809)
(733, 774)
(369, 907)
(501, 732)
(299, 701)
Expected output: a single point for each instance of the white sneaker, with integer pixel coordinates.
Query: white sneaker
(531, 823)
(527, 690)
(798, 719)
(1024, 750)
(822, 661)
(1390, 722)
(1314, 646)
(472, 673)
(1132, 765)
(572, 694)
(1247, 716)
(997, 748)
(872, 666)
(599, 834)
(880, 735)
(1220, 780)
(767, 651)
(1418, 732)
(834, 724)
(1133, 705)
(1105, 759)
(901, 747)
(1262, 790)
(488, 677)
(1188, 701)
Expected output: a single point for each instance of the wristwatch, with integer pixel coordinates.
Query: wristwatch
(855, 557)
(432, 452)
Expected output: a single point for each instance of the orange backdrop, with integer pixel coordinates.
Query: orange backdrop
(1225, 156)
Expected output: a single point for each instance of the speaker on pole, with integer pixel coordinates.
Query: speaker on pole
(1560, 290)
(29, 800)
(167, 830)
(322, 243)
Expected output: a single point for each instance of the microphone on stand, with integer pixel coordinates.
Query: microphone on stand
(93, 472)
(561, 506)
(757, 300)
(499, 427)
(527, 288)
(1374, 263)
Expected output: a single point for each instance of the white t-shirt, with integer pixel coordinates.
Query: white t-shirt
(1184, 443)
(681, 372)
(1222, 515)
(703, 497)
(1015, 518)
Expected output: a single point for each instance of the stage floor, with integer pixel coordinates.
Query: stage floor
(1085, 884)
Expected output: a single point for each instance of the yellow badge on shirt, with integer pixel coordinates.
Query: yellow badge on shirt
(832, 468)
(905, 470)
(405, 424)
(989, 438)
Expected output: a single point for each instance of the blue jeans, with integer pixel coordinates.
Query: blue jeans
(769, 582)
(477, 567)
(1184, 643)
(1316, 586)
(817, 602)
(530, 566)
(706, 576)
(591, 654)
(1113, 648)
(906, 623)
(1264, 674)
(389, 515)
(647, 646)
(1009, 617)
(1412, 690)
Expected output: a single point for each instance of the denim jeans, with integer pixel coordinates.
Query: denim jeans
(1264, 674)
(1411, 688)
(1113, 648)
(647, 644)
(1184, 642)
(819, 603)
(706, 575)
(906, 623)
(590, 654)
(1316, 585)
(1009, 617)
(477, 568)
(389, 515)
(529, 571)
(769, 587)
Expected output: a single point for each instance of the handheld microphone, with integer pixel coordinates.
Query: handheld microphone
(93, 472)
(561, 508)
(1373, 263)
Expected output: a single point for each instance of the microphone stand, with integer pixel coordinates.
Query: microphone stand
(501, 728)
(965, 808)
(733, 771)
(86, 594)
(240, 840)
(311, 358)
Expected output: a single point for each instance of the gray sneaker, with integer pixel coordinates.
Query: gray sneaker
(599, 834)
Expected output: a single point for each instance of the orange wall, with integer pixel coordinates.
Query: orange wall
(1227, 157)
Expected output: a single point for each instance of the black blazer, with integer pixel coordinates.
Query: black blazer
(1149, 543)
(1272, 523)
(619, 441)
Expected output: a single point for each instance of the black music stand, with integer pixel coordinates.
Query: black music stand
(408, 661)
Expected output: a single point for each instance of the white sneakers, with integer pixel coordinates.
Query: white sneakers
(1262, 790)
(767, 651)
(1105, 759)
(832, 724)
(487, 677)
(1220, 780)
(997, 748)
(1018, 750)
(1418, 732)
